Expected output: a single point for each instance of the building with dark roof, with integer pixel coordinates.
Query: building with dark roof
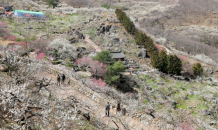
(117, 56)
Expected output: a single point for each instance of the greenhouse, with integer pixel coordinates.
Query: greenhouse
(22, 13)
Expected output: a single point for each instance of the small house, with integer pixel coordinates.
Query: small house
(117, 56)
(22, 13)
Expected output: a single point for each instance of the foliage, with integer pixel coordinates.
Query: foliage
(140, 39)
(3, 30)
(155, 61)
(19, 40)
(82, 76)
(146, 42)
(97, 68)
(104, 57)
(40, 56)
(181, 57)
(174, 64)
(162, 64)
(52, 3)
(158, 47)
(85, 61)
(105, 6)
(197, 69)
(62, 49)
(39, 46)
(68, 63)
(113, 72)
(98, 83)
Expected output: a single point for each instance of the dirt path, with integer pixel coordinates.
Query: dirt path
(97, 48)
(66, 90)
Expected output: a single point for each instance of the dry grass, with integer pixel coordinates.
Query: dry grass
(5, 42)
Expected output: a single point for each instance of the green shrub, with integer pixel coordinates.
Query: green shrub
(82, 76)
(105, 6)
(112, 75)
(162, 64)
(19, 40)
(197, 69)
(103, 57)
(174, 65)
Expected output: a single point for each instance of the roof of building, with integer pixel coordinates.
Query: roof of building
(23, 11)
(116, 55)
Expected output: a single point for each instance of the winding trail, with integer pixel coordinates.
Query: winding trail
(97, 48)
(66, 90)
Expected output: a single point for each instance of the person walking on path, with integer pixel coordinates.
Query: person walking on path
(58, 80)
(63, 78)
(107, 109)
(118, 107)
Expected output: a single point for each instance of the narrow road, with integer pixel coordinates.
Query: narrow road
(66, 90)
(97, 48)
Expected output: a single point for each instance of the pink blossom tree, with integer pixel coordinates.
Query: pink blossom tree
(85, 61)
(98, 69)
(40, 56)
(181, 57)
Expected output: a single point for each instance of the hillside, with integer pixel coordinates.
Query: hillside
(85, 41)
(188, 26)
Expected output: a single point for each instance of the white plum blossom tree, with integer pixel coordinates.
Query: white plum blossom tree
(62, 49)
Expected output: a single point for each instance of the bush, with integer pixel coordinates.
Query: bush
(97, 68)
(105, 6)
(162, 63)
(174, 64)
(19, 40)
(112, 75)
(197, 69)
(103, 57)
(39, 46)
(3, 30)
(62, 49)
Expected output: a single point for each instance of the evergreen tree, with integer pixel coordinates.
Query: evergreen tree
(197, 69)
(103, 57)
(140, 38)
(155, 61)
(170, 64)
(113, 73)
(152, 50)
(162, 64)
(174, 64)
(52, 3)
(148, 41)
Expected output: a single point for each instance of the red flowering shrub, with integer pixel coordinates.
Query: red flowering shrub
(40, 56)
(97, 83)
(85, 61)
(186, 125)
(181, 57)
(97, 68)
(158, 47)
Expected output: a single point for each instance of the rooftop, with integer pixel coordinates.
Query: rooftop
(116, 55)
